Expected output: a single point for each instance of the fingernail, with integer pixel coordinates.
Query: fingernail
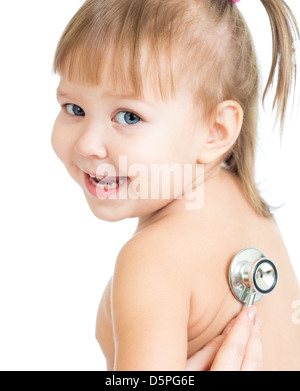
(227, 329)
(251, 311)
(258, 323)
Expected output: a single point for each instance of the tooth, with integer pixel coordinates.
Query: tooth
(92, 176)
(106, 186)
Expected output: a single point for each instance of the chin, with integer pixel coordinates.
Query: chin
(107, 212)
(110, 219)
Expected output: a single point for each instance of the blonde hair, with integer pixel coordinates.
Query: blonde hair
(202, 44)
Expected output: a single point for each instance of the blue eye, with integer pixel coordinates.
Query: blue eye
(127, 118)
(75, 110)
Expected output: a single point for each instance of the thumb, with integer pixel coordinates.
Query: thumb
(202, 360)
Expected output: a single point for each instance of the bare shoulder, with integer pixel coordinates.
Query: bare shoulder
(168, 260)
(159, 252)
(169, 246)
(150, 304)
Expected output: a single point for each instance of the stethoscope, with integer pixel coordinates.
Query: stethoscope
(252, 276)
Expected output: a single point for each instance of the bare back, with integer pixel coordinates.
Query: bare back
(209, 239)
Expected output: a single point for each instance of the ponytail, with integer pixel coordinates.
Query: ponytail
(285, 32)
(240, 159)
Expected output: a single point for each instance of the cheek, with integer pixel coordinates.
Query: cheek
(60, 142)
(166, 148)
(177, 148)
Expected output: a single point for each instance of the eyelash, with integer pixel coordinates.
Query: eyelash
(64, 106)
(126, 112)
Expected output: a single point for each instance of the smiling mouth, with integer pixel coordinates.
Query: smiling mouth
(108, 183)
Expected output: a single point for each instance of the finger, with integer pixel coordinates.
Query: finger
(253, 360)
(202, 360)
(231, 353)
(228, 327)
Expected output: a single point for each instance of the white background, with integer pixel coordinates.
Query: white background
(55, 256)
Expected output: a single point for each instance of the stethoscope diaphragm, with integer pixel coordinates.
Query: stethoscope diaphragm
(252, 276)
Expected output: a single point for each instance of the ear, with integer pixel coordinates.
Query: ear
(223, 132)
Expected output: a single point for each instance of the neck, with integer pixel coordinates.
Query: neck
(211, 175)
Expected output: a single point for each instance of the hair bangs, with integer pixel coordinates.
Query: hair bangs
(119, 50)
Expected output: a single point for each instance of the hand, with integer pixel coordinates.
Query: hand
(238, 348)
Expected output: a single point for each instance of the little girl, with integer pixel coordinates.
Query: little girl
(174, 85)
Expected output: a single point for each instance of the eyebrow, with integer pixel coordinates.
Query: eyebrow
(109, 94)
(121, 96)
(61, 93)
(132, 97)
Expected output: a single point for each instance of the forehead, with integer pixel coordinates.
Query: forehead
(139, 78)
(70, 88)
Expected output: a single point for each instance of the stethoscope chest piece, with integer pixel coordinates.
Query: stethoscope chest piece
(252, 275)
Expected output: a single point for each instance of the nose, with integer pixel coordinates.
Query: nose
(91, 141)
